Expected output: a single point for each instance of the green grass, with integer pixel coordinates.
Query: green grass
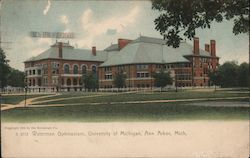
(145, 96)
(15, 99)
(125, 112)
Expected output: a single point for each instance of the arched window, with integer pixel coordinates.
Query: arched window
(68, 82)
(84, 69)
(75, 81)
(93, 68)
(75, 70)
(66, 69)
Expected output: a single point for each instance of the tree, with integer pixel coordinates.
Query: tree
(16, 78)
(229, 74)
(184, 16)
(215, 78)
(244, 75)
(162, 79)
(91, 81)
(120, 80)
(4, 69)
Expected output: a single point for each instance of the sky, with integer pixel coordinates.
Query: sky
(96, 23)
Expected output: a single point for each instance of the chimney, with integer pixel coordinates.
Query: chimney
(207, 48)
(94, 51)
(196, 46)
(123, 42)
(213, 47)
(60, 50)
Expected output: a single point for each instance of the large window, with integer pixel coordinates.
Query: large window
(66, 69)
(75, 70)
(142, 74)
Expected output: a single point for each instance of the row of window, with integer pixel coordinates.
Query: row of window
(33, 72)
(183, 77)
(142, 74)
(145, 66)
(108, 77)
(76, 71)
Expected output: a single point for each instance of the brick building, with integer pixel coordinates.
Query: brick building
(62, 67)
(139, 59)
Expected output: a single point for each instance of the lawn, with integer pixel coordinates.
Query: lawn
(15, 99)
(125, 112)
(122, 97)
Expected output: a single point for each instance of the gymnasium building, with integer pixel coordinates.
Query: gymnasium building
(63, 67)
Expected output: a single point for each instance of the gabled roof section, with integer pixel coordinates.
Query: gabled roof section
(112, 47)
(70, 53)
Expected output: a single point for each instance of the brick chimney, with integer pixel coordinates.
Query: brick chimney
(196, 46)
(123, 42)
(213, 47)
(207, 47)
(60, 53)
(94, 51)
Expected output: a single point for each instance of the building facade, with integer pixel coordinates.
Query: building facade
(63, 68)
(141, 58)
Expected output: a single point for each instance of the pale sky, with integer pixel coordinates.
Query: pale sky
(96, 23)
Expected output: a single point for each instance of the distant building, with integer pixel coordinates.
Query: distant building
(62, 67)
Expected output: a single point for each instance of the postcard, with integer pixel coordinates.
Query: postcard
(123, 78)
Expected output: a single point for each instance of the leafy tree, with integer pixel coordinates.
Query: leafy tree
(162, 79)
(215, 78)
(91, 81)
(120, 80)
(4, 69)
(16, 78)
(244, 75)
(229, 74)
(184, 16)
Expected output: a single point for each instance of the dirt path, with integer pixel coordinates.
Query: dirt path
(79, 97)
(32, 100)
(22, 103)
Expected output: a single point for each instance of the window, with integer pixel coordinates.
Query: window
(54, 65)
(94, 69)
(138, 75)
(34, 72)
(75, 69)
(75, 81)
(108, 77)
(84, 69)
(121, 68)
(107, 69)
(141, 66)
(142, 74)
(66, 69)
(39, 72)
